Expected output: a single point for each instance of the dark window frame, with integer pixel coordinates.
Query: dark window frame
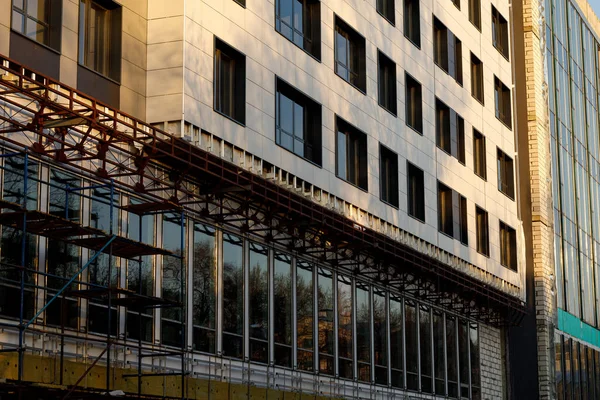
(311, 125)
(353, 68)
(477, 81)
(414, 103)
(508, 246)
(310, 35)
(500, 33)
(415, 191)
(386, 83)
(447, 51)
(388, 176)
(412, 22)
(475, 13)
(235, 86)
(387, 9)
(482, 231)
(456, 3)
(506, 179)
(356, 171)
(479, 155)
(502, 102)
(241, 3)
(51, 22)
(450, 131)
(450, 202)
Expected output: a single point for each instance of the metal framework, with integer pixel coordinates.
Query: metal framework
(56, 123)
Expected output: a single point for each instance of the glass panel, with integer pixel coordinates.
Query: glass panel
(425, 349)
(341, 155)
(325, 315)
(363, 332)
(463, 354)
(286, 114)
(62, 202)
(259, 303)
(62, 264)
(475, 366)
(452, 356)
(344, 304)
(380, 337)
(173, 278)
(305, 315)
(558, 368)
(439, 360)
(203, 288)
(13, 187)
(233, 296)
(396, 342)
(568, 373)
(18, 22)
(103, 208)
(412, 347)
(282, 306)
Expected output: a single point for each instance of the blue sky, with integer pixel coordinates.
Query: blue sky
(596, 6)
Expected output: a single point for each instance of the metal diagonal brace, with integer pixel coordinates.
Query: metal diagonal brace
(91, 260)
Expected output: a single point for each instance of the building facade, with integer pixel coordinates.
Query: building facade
(242, 198)
(557, 52)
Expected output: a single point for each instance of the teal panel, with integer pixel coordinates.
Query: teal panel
(573, 326)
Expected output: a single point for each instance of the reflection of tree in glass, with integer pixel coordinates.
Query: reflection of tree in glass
(203, 288)
(282, 287)
(259, 297)
(233, 288)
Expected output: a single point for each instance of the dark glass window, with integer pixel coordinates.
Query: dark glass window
(396, 342)
(479, 154)
(305, 315)
(456, 3)
(387, 10)
(282, 306)
(506, 181)
(345, 331)
(62, 260)
(388, 175)
(325, 314)
(452, 213)
(476, 78)
(363, 332)
(258, 287)
(475, 13)
(230, 82)
(100, 37)
(241, 2)
(447, 50)
(463, 358)
(475, 366)
(502, 101)
(172, 328)
(350, 60)
(508, 246)
(300, 22)
(38, 20)
(233, 296)
(425, 349)
(412, 347)
(499, 32)
(416, 192)
(452, 356)
(450, 131)
(351, 154)
(558, 366)
(62, 202)
(412, 22)
(414, 104)
(482, 231)
(380, 337)
(387, 83)
(439, 355)
(298, 123)
(204, 288)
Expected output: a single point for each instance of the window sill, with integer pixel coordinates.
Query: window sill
(388, 110)
(416, 218)
(507, 195)
(417, 45)
(387, 203)
(448, 73)
(364, 92)
(303, 158)
(501, 53)
(483, 254)
(57, 51)
(480, 101)
(504, 123)
(229, 117)
(116, 82)
(393, 23)
(484, 178)
(453, 238)
(420, 132)
(317, 59)
(509, 267)
(352, 184)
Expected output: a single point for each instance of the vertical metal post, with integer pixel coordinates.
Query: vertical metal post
(109, 312)
(182, 298)
(23, 262)
(140, 330)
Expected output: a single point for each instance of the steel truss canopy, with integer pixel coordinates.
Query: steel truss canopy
(55, 122)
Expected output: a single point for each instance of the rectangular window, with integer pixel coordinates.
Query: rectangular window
(298, 123)
(456, 3)
(305, 315)
(475, 366)
(450, 131)
(387, 10)
(452, 213)
(282, 308)
(325, 314)
(439, 355)
(452, 356)
(345, 331)
(388, 165)
(447, 51)
(463, 359)
(204, 280)
(479, 154)
(300, 22)
(503, 104)
(38, 20)
(172, 322)
(414, 104)
(396, 342)
(499, 32)
(363, 331)
(425, 349)
(508, 246)
(475, 13)
(258, 318)
(416, 192)
(476, 78)
(100, 37)
(387, 83)
(351, 154)
(412, 347)
(229, 82)
(350, 60)
(380, 337)
(412, 22)
(506, 181)
(482, 231)
(233, 296)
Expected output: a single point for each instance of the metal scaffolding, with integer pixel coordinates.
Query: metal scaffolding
(49, 121)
